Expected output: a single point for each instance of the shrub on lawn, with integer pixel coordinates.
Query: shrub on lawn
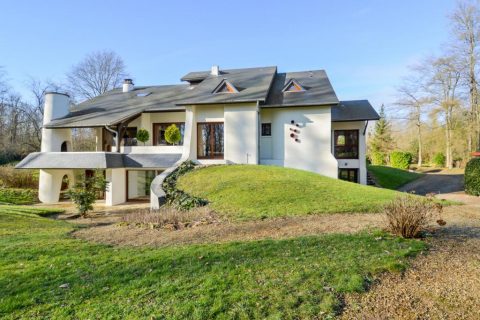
(170, 218)
(472, 177)
(377, 158)
(438, 160)
(17, 196)
(178, 198)
(400, 159)
(407, 216)
(11, 178)
(85, 191)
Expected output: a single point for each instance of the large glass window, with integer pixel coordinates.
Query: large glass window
(138, 184)
(346, 144)
(159, 133)
(210, 140)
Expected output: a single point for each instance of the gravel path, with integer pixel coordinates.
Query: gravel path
(436, 182)
(443, 284)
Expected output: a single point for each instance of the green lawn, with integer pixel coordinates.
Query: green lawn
(294, 278)
(251, 192)
(392, 178)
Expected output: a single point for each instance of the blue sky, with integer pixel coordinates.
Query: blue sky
(365, 46)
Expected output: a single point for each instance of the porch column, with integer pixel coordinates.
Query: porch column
(116, 187)
(50, 184)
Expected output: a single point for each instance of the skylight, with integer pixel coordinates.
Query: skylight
(143, 94)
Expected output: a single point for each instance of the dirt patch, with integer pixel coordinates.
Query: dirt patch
(228, 231)
(443, 284)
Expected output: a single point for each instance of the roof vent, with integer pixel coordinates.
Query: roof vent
(127, 85)
(215, 71)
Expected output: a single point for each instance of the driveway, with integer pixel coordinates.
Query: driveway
(441, 182)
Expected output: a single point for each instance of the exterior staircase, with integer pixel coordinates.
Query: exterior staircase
(371, 179)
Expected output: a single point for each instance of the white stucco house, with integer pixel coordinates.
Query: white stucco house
(237, 116)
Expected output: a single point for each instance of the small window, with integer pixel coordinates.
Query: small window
(293, 86)
(225, 87)
(346, 144)
(266, 129)
(348, 175)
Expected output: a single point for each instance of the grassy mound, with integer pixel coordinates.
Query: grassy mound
(251, 192)
(392, 178)
(45, 273)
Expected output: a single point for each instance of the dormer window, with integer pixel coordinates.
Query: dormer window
(293, 86)
(225, 87)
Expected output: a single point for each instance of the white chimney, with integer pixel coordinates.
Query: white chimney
(127, 85)
(215, 71)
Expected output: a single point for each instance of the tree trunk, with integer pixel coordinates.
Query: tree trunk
(419, 145)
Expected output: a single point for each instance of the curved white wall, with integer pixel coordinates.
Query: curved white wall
(50, 184)
(50, 181)
(56, 106)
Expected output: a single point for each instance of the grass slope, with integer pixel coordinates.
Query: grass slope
(392, 178)
(294, 278)
(250, 192)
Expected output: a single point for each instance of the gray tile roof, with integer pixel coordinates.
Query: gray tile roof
(318, 91)
(254, 84)
(96, 160)
(354, 110)
(115, 106)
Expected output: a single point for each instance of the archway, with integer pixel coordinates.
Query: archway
(64, 147)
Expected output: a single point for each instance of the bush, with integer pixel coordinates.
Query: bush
(142, 135)
(12, 178)
(438, 160)
(407, 216)
(377, 158)
(178, 198)
(400, 159)
(18, 196)
(84, 193)
(169, 218)
(472, 177)
(172, 134)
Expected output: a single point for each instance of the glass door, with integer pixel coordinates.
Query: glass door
(210, 140)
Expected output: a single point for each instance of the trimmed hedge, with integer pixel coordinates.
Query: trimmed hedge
(377, 158)
(17, 196)
(439, 160)
(400, 159)
(178, 198)
(472, 177)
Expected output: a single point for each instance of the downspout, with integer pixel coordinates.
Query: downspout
(365, 129)
(259, 131)
(115, 137)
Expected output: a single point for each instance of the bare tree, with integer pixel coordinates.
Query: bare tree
(466, 30)
(415, 100)
(444, 78)
(97, 73)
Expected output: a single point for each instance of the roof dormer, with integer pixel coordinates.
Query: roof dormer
(225, 87)
(293, 86)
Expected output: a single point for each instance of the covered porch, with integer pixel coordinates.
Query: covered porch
(128, 175)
